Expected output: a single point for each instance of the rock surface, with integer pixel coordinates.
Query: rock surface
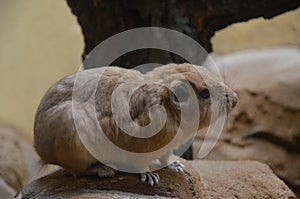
(17, 158)
(265, 125)
(201, 179)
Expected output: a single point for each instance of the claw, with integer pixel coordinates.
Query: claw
(150, 178)
(176, 166)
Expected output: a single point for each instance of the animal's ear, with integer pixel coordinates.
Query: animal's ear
(146, 96)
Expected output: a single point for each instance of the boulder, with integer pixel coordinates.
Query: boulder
(201, 179)
(265, 125)
(18, 160)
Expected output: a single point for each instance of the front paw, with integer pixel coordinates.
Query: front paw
(150, 178)
(101, 171)
(176, 166)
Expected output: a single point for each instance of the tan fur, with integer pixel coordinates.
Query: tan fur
(55, 136)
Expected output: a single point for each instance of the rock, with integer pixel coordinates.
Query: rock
(201, 179)
(240, 179)
(17, 158)
(61, 184)
(265, 124)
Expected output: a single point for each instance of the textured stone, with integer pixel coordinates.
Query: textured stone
(17, 158)
(240, 179)
(201, 179)
(265, 124)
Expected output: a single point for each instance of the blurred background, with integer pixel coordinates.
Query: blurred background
(40, 46)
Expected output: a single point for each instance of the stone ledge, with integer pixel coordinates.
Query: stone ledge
(240, 179)
(201, 179)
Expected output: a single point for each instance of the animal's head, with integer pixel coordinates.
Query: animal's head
(188, 95)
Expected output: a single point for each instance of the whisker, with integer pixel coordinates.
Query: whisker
(229, 121)
(222, 71)
(229, 77)
(234, 77)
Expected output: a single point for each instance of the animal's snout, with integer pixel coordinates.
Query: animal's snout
(231, 99)
(234, 99)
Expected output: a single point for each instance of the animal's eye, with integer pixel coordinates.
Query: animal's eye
(180, 94)
(204, 94)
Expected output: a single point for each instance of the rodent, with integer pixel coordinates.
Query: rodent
(55, 136)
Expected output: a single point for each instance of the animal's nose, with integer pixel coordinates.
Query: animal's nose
(234, 99)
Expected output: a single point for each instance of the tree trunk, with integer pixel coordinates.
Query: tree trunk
(199, 19)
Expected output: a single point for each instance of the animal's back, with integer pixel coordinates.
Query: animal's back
(56, 139)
